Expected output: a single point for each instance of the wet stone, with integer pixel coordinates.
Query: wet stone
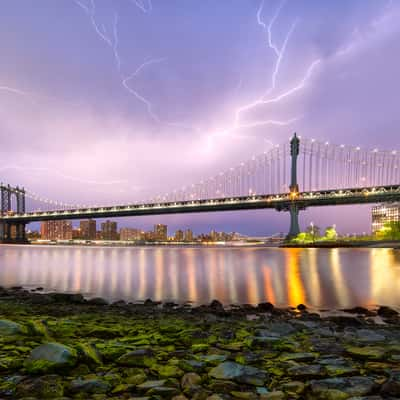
(341, 388)
(240, 373)
(89, 386)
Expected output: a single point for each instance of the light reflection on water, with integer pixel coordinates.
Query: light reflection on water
(320, 278)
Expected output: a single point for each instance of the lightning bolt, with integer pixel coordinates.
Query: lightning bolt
(113, 44)
(13, 90)
(135, 93)
(279, 53)
(264, 99)
(141, 6)
(102, 31)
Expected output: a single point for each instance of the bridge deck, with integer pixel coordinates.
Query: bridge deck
(280, 202)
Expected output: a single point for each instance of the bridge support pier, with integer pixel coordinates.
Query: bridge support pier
(294, 229)
(12, 233)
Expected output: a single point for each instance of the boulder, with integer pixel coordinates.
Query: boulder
(45, 387)
(341, 388)
(240, 373)
(10, 328)
(137, 358)
(92, 386)
(50, 356)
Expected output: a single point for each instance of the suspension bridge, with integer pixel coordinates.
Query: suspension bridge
(299, 174)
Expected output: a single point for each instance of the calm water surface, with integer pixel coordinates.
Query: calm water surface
(320, 278)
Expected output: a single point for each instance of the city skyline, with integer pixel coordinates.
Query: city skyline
(92, 123)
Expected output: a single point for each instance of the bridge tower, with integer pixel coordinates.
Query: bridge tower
(12, 232)
(294, 188)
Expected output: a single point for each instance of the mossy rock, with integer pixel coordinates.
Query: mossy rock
(367, 352)
(88, 354)
(45, 387)
(168, 371)
(50, 357)
(11, 328)
(37, 328)
(137, 358)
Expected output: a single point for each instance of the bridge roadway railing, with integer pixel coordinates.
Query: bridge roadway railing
(279, 202)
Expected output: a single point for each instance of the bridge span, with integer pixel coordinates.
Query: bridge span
(354, 168)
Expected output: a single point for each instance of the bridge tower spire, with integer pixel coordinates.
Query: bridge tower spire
(294, 188)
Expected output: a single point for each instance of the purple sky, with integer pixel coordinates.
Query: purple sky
(114, 101)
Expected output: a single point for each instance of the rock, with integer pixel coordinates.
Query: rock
(387, 312)
(293, 388)
(10, 328)
(392, 386)
(215, 397)
(191, 365)
(300, 357)
(41, 299)
(216, 305)
(301, 307)
(367, 352)
(97, 301)
(357, 310)
(89, 386)
(276, 395)
(151, 384)
(240, 373)
(37, 328)
(45, 387)
(265, 307)
(88, 354)
(137, 358)
(281, 328)
(165, 392)
(179, 397)
(50, 356)
(307, 371)
(67, 297)
(244, 395)
(168, 371)
(190, 382)
(213, 359)
(151, 303)
(341, 388)
(369, 336)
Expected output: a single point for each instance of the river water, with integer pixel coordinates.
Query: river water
(319, 278)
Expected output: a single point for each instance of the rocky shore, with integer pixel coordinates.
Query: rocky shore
(61, 346)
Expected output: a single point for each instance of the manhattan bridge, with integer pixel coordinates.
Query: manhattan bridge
(291, 177)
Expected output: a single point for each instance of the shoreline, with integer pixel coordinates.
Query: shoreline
(59, 345)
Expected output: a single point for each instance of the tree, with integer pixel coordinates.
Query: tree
(330, 233)
(390, 230)
(313, 231)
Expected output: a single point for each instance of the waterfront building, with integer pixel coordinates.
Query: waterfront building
(160, 232)
(127, 234)
(76, 233)
(109, 230)
(381, 214)
(178, 235)
(188, 236)
(56, 230)
(88, 229)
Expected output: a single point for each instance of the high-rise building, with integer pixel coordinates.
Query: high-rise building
(188, 236)
(56, 230)
(178, 236)
(160, 232)
(389, 212)
(130, 234)
(109, 230)
(88, 229)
